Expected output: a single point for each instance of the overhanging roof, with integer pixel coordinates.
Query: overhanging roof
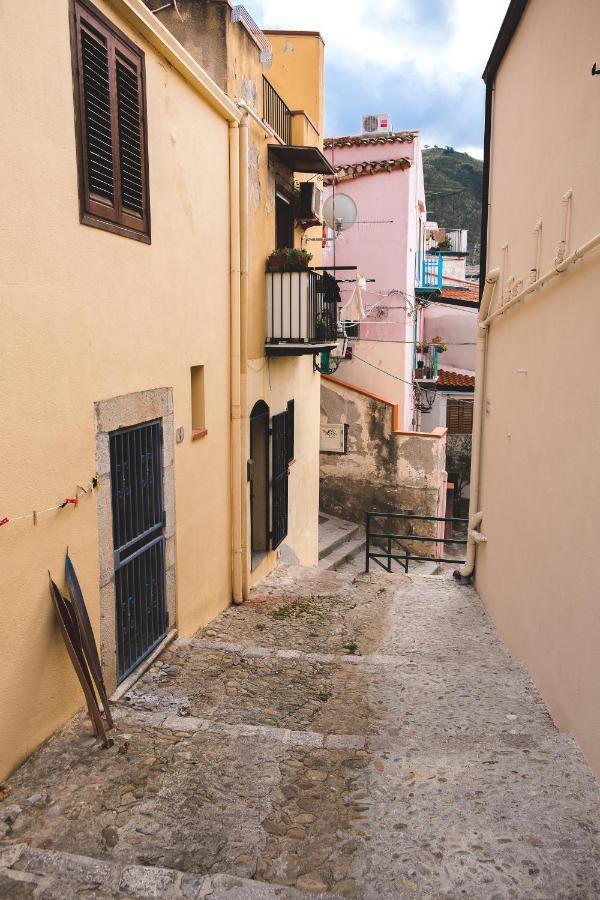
(308, 160)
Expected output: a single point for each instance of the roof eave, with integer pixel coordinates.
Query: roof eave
(509, 25)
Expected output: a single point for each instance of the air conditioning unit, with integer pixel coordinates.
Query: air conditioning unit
(379, 124)
(310, 207)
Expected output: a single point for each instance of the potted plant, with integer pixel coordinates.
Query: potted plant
(444, 245)
(439, 345)
(322, 326)
(288, 259)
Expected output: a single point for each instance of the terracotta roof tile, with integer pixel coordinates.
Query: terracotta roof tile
(357, 170)
(455, 380)
(469, 294)
(355, 140)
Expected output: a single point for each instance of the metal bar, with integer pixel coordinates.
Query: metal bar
(395, 515)
(417, 537)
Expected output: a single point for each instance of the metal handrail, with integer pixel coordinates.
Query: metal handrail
(276, 112)
(297, 309)
(403, 558)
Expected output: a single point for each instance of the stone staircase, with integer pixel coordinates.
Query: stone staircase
(340, 541)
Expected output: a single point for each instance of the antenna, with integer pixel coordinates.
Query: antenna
(340, 212)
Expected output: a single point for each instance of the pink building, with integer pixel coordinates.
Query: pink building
(383, 174)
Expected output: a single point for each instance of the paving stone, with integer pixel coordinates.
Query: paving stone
(259, 759)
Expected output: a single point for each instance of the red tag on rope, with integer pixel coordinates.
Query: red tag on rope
(73, 500)
(4, 521)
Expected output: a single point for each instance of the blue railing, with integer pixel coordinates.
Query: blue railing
(432, 274)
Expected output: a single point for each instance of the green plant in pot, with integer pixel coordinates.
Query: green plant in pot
(322, 327)
(288, 259)
(439, 345)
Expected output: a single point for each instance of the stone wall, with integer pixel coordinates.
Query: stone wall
(383, 469)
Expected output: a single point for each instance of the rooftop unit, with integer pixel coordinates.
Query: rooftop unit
(380, 123)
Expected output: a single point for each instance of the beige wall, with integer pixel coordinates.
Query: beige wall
(88, 315)
(298, 71)
(540, 489)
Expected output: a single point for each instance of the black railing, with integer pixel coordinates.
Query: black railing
(394, 550)
(299, 309)
(276, 113)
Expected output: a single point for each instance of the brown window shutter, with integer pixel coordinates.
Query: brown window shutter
(459, 416)
(111, 125)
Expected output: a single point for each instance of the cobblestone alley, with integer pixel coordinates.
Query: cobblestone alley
(340, 735)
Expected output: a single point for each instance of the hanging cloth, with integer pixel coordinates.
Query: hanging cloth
(354, 310)
(331, 289)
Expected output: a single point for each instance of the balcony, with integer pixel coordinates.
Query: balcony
(446, 240)
(276, 113)
(427, 364)
(298, 149)
(300, 317)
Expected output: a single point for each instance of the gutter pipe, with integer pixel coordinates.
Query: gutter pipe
(235, 341)
(476, 516)
(244, 295)
(540, 282)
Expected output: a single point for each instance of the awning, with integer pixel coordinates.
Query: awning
(308, 160)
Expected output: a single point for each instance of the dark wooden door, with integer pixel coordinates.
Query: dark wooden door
(279, 498)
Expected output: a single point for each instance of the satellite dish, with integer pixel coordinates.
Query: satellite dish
(340, 212)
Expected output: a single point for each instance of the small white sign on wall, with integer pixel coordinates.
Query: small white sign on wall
(333, 439)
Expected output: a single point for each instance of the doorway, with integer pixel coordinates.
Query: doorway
(138, 514)
(284, 221)
(259, 481)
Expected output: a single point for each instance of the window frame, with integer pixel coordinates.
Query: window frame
(92, 211)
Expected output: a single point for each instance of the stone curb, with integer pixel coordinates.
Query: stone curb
(52, 868)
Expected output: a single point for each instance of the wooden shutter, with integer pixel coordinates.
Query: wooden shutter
(459, 416)
(279, 486)
(290, 430)
(111, 128)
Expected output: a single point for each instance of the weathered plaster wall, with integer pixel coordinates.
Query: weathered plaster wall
(540, 483)
(383, 469)
(87, 316)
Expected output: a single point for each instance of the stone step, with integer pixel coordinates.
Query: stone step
(335, 532)
(342, 553)
(25, 871)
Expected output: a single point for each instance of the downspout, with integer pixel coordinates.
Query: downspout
(236, 435)
(485, 200)
(475, 515)
(244, 295)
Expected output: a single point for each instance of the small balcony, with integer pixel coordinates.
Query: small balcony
(427, 364)
(276, 113)
(301, 317)
(299, 138)
(447, 240)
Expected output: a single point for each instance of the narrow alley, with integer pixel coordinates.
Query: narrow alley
(340, 735)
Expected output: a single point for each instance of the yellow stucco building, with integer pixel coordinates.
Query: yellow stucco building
(152, 168)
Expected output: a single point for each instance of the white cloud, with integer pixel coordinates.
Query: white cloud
(437, 49)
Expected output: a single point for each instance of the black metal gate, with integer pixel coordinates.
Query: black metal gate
(279, 518)
(139, 543)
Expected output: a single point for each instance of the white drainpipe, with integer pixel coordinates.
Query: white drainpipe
(475, 516)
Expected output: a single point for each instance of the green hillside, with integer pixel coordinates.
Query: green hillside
(453, 183)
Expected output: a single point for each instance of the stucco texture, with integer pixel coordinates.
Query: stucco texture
(382, 470)
(540, 481)
(88, 315)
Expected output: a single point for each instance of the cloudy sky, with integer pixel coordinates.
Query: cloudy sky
(419, 60)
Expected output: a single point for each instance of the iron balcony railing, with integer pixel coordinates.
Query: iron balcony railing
(299, 309)
(276, 113)
(386, 545)
(427, 362)
(432, 274)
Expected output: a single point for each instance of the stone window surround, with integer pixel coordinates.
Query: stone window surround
(110, 415)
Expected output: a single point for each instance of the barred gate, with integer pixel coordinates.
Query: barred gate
(139, 542)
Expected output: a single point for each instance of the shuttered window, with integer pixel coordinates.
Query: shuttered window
(290, 430)
(459, 416)
(110, 106)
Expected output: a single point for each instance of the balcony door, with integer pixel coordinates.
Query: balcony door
(284, 221)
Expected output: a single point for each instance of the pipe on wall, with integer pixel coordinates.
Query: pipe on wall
(244, 297)
(235, 343)
(475, 515)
